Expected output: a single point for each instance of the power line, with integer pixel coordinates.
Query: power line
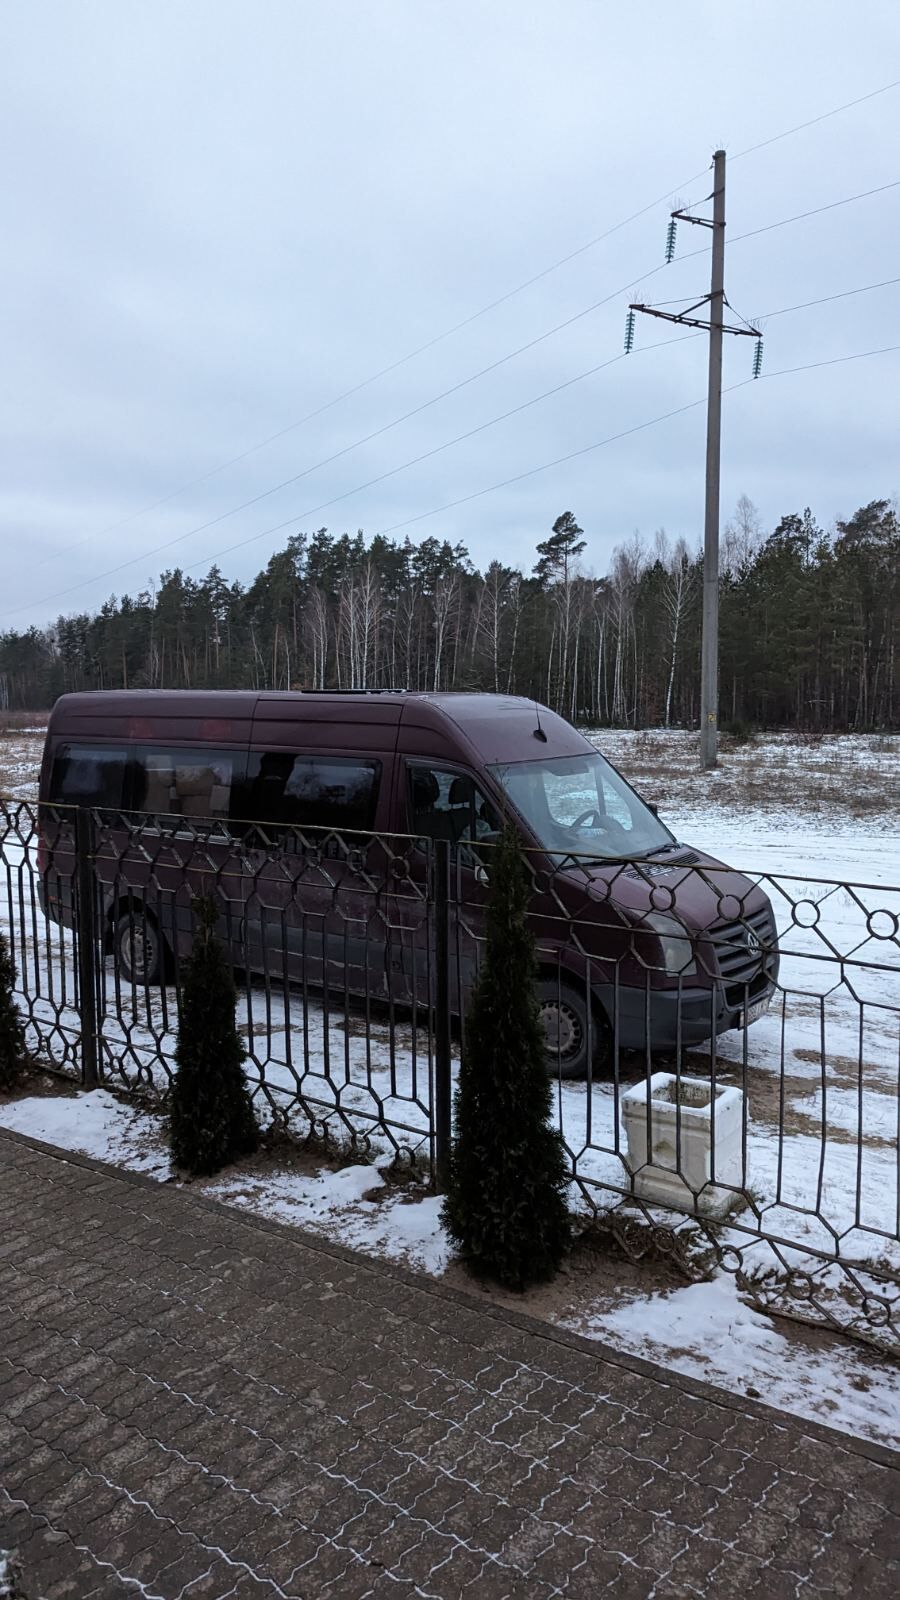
(482, 427)
(426, 455)
(169, 544)
(811, 366)
(843, 294)
(612, 438)
(800, 216)
(325, 504)
(404, 466)
(465, 322)
(812, 121)
(264, 494)
(827, 298)
(572, 455)
(384, 372)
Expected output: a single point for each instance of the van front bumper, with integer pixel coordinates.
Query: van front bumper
(666, 1019)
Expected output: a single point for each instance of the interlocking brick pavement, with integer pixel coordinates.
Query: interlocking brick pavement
(197, 1405)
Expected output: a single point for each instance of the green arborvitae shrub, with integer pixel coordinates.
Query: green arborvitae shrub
(12, 1034)
(211, 1119)
(505, 1207)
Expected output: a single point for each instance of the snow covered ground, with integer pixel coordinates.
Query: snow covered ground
(809, 786)
(20, 761)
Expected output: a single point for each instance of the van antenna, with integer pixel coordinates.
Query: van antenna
(538, 732)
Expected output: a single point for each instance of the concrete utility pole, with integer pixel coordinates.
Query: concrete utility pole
(709, 650)
(717, 326)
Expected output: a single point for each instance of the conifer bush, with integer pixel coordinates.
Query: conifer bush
(505, 1207)
(211, 1116)
(12, 1033)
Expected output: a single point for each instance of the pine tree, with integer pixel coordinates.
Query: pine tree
(560, 550)
(211, 1118)
(12, 1034)
(505, 1207)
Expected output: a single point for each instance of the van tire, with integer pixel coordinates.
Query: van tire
(574, 1030)
(139, 949)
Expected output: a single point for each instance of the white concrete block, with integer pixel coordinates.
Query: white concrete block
(669, 1127)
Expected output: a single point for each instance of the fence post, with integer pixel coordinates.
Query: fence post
(442, 1052)
(86, 934)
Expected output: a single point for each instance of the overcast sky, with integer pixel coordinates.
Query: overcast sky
(220, 215)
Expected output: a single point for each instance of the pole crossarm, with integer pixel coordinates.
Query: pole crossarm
(694, 322)
(699, 222)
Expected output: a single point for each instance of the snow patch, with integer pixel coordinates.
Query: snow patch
(707, 1331)
(94, 1124)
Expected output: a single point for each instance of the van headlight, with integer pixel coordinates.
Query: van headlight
(675, 942)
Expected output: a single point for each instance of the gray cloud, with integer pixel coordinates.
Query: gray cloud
(223, 215)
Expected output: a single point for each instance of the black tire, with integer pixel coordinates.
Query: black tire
(139, 948)
(576, 1036)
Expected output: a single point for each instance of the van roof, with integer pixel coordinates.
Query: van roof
(489, 727)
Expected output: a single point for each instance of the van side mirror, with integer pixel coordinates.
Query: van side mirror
(652, 806)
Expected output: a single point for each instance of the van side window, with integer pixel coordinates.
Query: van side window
(310, 791)
(175, 783)
(85, 775)
(449, 805)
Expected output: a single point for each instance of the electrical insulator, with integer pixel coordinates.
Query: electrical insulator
(629, 333)
(670, 239)
(757, 358)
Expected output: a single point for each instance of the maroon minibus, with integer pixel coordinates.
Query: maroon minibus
(315, 818)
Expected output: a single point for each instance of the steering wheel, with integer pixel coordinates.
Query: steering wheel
(591, 815)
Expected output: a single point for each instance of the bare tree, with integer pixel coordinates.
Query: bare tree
(493, 602)
(444, 608)
(628, 563)
(742, 539)
(678, 589)
(317, 618)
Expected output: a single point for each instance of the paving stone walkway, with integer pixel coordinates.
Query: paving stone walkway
(196, 1405)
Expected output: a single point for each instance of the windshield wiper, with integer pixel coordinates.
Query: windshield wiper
(586, 860)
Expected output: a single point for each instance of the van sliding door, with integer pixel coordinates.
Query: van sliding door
(313, 873)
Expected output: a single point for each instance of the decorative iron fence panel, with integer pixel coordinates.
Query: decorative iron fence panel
(319, 932)
(764, 1011)
(681, 998)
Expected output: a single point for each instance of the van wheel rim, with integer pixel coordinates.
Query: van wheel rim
(138, 948)
(563, 1029)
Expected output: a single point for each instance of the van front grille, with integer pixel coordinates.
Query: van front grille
(746, 953)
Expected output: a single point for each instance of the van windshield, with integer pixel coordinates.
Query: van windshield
(580, 806)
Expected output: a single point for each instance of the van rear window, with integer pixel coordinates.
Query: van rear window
(310, 791)
(85, 775)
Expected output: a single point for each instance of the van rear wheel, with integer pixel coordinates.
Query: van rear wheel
(571, 1030)
(139, 948)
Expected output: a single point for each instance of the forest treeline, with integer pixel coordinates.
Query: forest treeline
(809, 626)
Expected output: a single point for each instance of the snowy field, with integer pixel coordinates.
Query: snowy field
(820, 1070)
(20, 760)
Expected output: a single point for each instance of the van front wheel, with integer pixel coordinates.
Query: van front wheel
(570, 1029)
(139, 948)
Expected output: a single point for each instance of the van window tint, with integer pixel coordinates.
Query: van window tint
(449, 805)
(181, 783)
(310, 791)
(84, 775)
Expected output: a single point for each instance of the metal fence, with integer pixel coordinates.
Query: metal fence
(725, 1048)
